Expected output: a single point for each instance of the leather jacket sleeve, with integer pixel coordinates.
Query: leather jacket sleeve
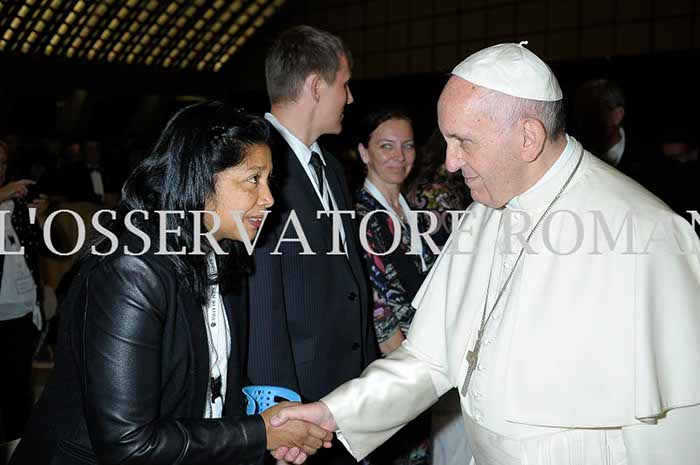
(126, 299)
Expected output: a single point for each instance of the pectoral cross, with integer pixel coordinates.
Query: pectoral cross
(473, 361)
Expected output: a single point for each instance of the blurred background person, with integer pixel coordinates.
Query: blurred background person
(20, 294)
(599, 110)
(387, 149)
(676, 169)
(431, 187)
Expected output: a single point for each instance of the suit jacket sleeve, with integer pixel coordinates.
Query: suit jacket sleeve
(126, 305)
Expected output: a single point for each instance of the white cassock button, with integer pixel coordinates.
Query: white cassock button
(497, 316)
(480, 367)
(508, 262)
(478, 417)
(477, 394)
(488, 341)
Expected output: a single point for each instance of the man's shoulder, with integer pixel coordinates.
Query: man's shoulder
(279, 143)
(332, 161)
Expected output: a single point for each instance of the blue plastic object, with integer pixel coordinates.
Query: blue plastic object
(261, 398)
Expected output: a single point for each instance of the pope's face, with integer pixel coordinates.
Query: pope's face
(477, 145)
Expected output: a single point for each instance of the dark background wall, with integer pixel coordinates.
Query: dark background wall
(403, 51)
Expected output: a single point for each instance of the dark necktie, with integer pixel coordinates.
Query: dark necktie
(317, 165)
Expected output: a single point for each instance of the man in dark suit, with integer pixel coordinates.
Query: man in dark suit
(311, 328)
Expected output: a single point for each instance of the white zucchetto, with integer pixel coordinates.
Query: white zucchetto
(511, 69)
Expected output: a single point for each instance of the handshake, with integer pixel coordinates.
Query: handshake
(296, 431)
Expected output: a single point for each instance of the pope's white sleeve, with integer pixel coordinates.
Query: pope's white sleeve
(389, 393)
(394, 390)
(673, 440)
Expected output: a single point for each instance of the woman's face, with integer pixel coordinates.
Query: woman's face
(390, 153)
(242, 190)
(3, 166)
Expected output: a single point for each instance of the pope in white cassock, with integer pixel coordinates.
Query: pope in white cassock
(565, 307)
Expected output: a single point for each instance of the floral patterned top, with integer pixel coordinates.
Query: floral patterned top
(396, 276)
(440, 192)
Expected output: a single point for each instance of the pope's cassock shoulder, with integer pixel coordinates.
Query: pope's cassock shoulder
(607, 330)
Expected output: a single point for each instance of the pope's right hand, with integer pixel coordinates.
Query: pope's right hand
(316, 413)
(301, 435)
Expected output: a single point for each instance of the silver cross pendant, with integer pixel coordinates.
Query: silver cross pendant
(472, 360)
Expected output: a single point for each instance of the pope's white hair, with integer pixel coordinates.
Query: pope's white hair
(509, 110)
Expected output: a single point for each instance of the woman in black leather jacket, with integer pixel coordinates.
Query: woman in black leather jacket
(134, 381)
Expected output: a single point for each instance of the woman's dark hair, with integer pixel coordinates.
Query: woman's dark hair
(432, 153)
(197, 143)
(373, 119)
(432, 157)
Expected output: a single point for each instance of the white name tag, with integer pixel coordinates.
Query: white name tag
(25, 285)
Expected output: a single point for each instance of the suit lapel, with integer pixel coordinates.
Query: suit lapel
(235, 303)
(297, 185)
(348, 225)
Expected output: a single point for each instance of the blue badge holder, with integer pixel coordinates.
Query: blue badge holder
(261, 398)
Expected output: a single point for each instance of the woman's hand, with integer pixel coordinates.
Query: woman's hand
(392, 343)
(306, 437)
(316, 413)
(14, 189)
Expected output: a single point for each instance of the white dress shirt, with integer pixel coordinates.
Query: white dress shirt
(614, 154)
(219, 343)
(303, 154)
(17, 290)
(407, 213)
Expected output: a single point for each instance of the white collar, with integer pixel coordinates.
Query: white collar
(298, 147)
(554, 169)
(614, 154)
(373, 190)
